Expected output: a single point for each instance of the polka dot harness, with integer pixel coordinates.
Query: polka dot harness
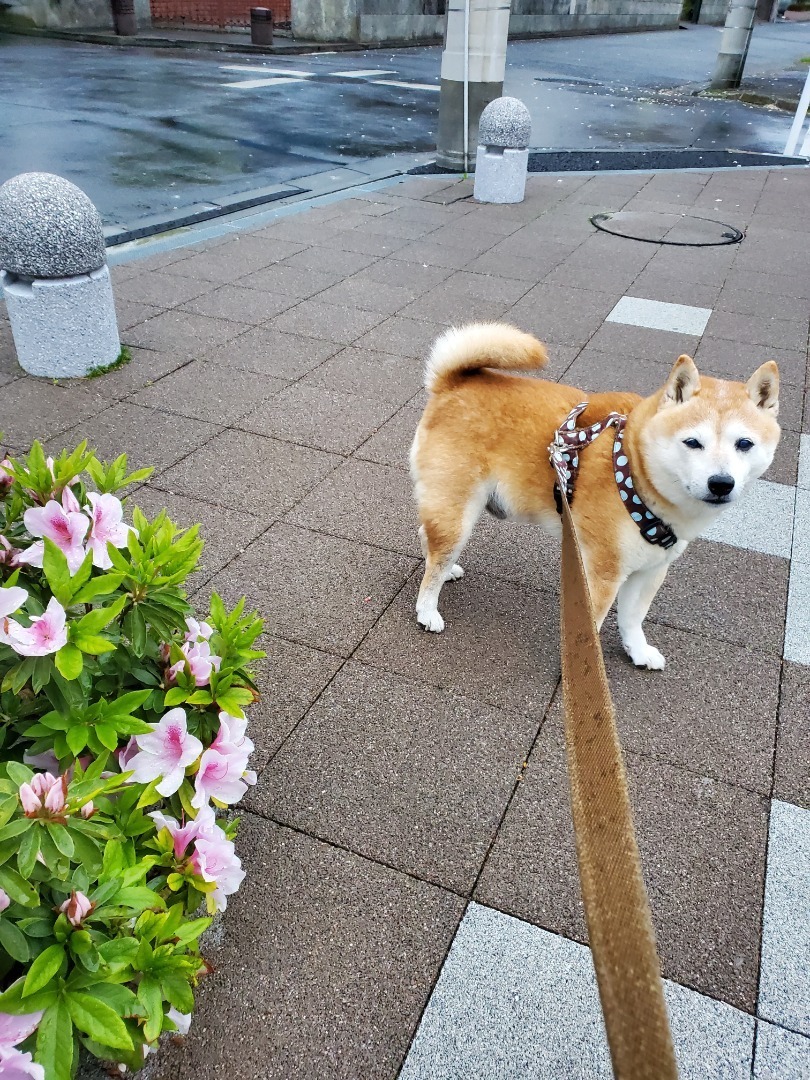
(564, 456)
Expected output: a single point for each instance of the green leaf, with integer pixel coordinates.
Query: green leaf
(93, 644)
(150, 794)
(77, 737)
(15, 827)
(150, 996)
(7, 808)
(82, 575)
(126, 704)
(43, 969)
(18, 888)
(98, 1020)
(62, 838)
(104, 585)
(19, 773)
(13, 941)
(57, 572)
(69, 662)
(190, 931)
(178, 993)
(120, 998)
(27, 855)
(55, 1048)
(175, 696)
(107, 735)
(13, 1002)
(98, 618)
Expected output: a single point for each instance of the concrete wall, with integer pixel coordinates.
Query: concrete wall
(67, 14)
(714, 11)
(410, 20)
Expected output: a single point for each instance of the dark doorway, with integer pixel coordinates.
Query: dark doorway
(691, 10)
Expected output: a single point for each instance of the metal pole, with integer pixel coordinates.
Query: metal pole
(798, 121)
(734, 45)
(473, 65)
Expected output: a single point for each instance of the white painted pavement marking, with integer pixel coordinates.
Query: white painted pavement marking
(360, 73)
(780, 1054)
(251, 84)
(656, 315)
(784, 986)
(761, 521)
(261, 69)
(804, 461)
(797, 624)
(407, 85)
(513, 1000)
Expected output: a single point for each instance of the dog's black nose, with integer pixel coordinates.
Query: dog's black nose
(721, 485)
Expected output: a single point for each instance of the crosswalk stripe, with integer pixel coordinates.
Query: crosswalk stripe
(250, 84)
(360, 74)
(262, 70)
(407, 85)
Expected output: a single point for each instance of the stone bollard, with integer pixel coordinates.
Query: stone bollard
(502, 161)
(54, 276)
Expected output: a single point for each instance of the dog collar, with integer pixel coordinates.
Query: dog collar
(564, 457)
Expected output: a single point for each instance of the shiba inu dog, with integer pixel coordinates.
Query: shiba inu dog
(640, 494)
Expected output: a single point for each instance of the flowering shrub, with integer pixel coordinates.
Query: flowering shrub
(121, 731)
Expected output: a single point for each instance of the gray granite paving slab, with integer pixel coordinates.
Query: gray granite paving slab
(131, 313)
(297, 281)
(391, 444)
(240, 304)
(162, 289)
(240, 470)
(200, 390)
(331, 260)
(37, 408)
(313, 589)
(762, 520)
(780, 1054)
(415, 277)
(391, 378)
(483, 1022)
(524, 554)
(785, 467)
(326, 964)
(503, 264)
(663, 346)
(763, 284)
(270, 352)
(405, 337)
(363, 501)
(237, 257)
(354, 292)
(767, 330)
(702, 846)
(797, 627)
(792, 766)
(319, 417)
(148, 437)
(401, 772)
(562, 315)
(653, 285)
(784, 989)
(226, 532)
(466, 297)
(689, 600)
(182, 332)
(500, 644)
(769, 304)
(329, 321)
(738, 360)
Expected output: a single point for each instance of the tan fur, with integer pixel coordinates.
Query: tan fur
(486, 431)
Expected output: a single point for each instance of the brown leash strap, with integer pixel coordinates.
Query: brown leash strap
(616, 909)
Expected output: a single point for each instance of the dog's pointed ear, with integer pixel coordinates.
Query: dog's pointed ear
(763, 387)
(683, 382)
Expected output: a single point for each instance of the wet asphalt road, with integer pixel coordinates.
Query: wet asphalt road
(146, 132)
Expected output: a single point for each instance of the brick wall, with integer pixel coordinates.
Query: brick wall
(221, 13)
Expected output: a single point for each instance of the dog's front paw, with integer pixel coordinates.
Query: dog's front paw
(648, 657)
(431, 620)
(455, 572)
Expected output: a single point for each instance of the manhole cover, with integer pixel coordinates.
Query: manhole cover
(678, 229)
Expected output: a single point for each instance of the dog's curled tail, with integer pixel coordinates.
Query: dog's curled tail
(464, 349)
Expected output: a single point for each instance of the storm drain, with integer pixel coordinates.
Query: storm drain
(680, 230)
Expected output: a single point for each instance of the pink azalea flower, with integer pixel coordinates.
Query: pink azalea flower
(203, 825)
(126, 754)
(215, 859)
(77, 907)
(46, 634)
(11, 600)
(9, 556)
(88, 810)
(14, 1064)
(66, 528)
(165, 753)
(222, 777)
(182, 1021)
(108, 527)
(46, 760)
(5, 900)
(198, 631)
(45, 796)
(6, 479)
(200, 662)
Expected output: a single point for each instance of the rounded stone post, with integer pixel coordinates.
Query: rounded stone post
(502, 160)
(54, 276)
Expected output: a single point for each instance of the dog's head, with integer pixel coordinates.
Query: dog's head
(708, 438)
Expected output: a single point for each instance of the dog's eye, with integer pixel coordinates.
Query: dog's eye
(744, 445)
(693, 444)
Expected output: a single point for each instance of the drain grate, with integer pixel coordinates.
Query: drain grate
(680, 230)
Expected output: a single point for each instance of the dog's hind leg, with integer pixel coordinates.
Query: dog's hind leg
(635, 597)
(454, 573)
(444, 532)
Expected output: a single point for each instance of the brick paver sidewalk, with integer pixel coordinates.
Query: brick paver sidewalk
(412, 801)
